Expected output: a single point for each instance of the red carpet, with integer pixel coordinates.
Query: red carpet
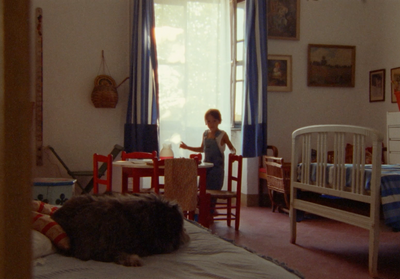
(324, 248)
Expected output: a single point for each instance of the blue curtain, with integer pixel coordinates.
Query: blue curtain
(254, 122)
(142, 120)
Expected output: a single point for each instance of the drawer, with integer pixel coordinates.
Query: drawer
(394, 145)
(393, 118)
(394, 158)
(394, 133)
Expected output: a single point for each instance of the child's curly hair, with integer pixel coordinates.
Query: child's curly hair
(214, 113)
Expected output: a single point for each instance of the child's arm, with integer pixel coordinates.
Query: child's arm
(225, 140)
(194, 149)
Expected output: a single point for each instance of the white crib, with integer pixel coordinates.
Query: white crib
(357, 181)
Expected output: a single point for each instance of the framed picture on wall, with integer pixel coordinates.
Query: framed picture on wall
(280, 73)
(284, 19)
(395, 82)
(331, 65)
(377, 85)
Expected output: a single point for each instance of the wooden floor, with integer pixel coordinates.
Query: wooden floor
(324, 249)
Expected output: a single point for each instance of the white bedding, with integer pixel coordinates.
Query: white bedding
(206, 256)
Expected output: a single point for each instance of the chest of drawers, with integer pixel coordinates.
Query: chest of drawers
(393, 137)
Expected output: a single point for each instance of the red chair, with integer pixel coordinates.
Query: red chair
(97, 176)
(136, 174)
(197, 156)
(157, 173)
(137, 155)
(225, 210)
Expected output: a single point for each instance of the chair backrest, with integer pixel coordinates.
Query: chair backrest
(137, 155)
(237, 176)
(273, 149)
(197, 156)
(278, 173)
(115, 152)
(97, 176)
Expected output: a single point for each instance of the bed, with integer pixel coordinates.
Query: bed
(352, 191)
(206, 256)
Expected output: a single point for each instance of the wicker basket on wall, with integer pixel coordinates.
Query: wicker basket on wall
(104, 94)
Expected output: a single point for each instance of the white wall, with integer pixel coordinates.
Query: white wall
(369, 25)
(75, 32)
(362, 24)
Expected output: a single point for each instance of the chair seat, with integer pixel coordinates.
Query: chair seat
(220, 194)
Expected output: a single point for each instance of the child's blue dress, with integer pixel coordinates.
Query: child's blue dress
(214, 153)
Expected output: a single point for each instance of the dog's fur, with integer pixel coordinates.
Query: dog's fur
(121, 228)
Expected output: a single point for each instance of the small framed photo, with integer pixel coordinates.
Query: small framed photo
(284, 19)
(395, 82)
(331, 65)
(280, 73)
(377, 85)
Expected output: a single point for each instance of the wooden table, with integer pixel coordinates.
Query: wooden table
(137, 169)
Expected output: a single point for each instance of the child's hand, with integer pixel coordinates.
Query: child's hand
(183, 145)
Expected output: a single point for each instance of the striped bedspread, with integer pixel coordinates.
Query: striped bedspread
(390, 195)
(390, 189)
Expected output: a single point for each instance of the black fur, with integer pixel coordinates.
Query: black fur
(120, 228)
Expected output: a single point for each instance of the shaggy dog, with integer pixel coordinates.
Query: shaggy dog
(121, 228)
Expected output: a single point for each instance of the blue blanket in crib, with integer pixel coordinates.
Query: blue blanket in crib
(390, 189)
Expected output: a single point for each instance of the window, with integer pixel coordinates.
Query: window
(193, 45)
(239, 67)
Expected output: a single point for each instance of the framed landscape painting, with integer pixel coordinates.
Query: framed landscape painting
(284, 19)
(395, 82)
(280, 73)
(377, 85)
(331, 65)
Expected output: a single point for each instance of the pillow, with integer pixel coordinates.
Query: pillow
(41, 245)
(48, 227)
(45, 208)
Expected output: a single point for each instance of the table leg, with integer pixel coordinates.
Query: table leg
(125, 175)
(136, 183)
(204, 199)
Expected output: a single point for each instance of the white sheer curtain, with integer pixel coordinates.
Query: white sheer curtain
(193, 50)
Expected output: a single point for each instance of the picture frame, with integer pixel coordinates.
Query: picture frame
(284, 19)
(331, 65)
(279, 73)
(377, 85)
(395, 83)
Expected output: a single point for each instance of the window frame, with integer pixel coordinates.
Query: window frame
(236, 63)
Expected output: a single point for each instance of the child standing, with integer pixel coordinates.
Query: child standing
(213, 146)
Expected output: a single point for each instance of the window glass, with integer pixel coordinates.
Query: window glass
(194, 68)
(237, 94)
